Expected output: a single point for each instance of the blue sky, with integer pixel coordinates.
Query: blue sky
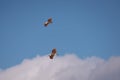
(84, 27)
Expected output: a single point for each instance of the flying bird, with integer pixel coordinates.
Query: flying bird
(53, 53)
(48, 22)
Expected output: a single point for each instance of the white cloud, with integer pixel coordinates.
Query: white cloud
(68, 67)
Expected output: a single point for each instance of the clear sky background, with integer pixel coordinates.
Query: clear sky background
(83, 27)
